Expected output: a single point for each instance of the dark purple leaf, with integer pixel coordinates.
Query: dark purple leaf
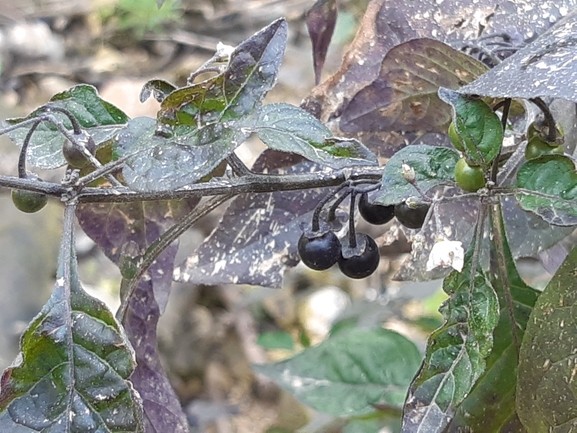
(528, 234)
(251, 72)
(321, 19)
(404, 95)
(544, 68)
(124, 231)
(390, 23)
(162, 410)
(256, 240)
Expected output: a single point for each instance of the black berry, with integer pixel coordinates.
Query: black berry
(375, 213)
(411, 217)
(362, 260)
(319, 251)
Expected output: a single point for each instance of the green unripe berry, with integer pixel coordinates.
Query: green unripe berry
(537, 147)
(469, 178)
(73, 155)
(455, 138)
(28, 201)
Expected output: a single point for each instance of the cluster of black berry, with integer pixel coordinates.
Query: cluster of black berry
(357, 255)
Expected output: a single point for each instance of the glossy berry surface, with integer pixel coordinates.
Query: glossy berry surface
(74, 155)
(537, 147)
(468, 177)
(319, 251)
(28, 201)
(363, 263)
(375, 213)
(412, 218)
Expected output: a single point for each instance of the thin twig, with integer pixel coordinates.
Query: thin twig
(128, 287)
(22, 173)
(238, 167)
(499, 240)
(495, 165)
(549, 119)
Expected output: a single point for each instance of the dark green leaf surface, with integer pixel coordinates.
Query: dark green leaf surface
(479, 128)
(251, 72)
(433, 166)
(490, 407)
(74, 365)
(162, 164)
(547, 388)
(555, 177)
(99, 118)
(160, 89)
(456, 352)
(348, 373)
(288, 128)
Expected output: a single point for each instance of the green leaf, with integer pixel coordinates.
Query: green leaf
(547, 389)
(72, 373)
(478, 127)
(554, 180)
(288, 128)
(433, 166)
(490, 407)
(162, 164)
(348, 373)
(97, 117)
(160, 89)
(276, 340)
(456, 352)
(250, 73)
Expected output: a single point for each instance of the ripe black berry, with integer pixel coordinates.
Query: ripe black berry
(411, 217)
(375, 213)
(319, 251)
(362, 260)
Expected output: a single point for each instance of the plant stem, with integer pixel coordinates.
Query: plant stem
(495, 165)
(499, 241)
(75, 124)
(549, 119)
(128, 287)
(22, 174)
(239, 168)
(352, 232)
(254, 183)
